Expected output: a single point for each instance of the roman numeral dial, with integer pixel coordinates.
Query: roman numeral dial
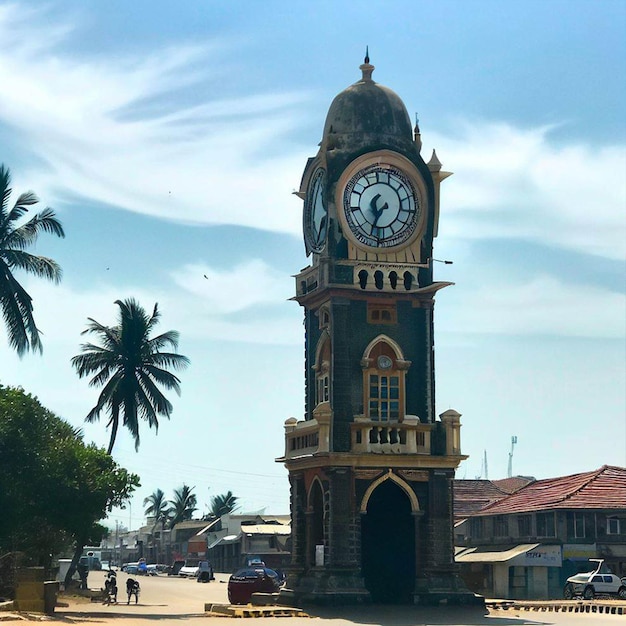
(380, 206)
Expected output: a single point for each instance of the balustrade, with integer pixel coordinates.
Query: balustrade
(408, 437)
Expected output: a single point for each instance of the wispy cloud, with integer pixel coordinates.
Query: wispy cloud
(514, 183)
(540, 306)
(228, 291)
(87, 120)
(109, 129)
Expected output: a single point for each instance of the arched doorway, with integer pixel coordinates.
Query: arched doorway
(388, 545)
(317, 520)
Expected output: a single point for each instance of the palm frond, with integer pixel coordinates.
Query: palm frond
(16, 304)
(126, 353)
(17, 311)
(40, 266)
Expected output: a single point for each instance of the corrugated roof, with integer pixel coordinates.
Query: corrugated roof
(500, 556)
(472, 495)
(266, 529)
(225, 540)
(604, 488)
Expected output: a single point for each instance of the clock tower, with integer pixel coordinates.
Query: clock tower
(371, 465)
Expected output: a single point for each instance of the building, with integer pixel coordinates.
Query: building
(526, 544)
(370, 465)
(235, 539)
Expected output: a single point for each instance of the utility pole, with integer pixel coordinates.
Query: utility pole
(513, 442)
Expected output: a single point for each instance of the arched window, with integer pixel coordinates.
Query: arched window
(378, 279)
(363, 276)
(322, 370)
(324, 317)
(384, 370)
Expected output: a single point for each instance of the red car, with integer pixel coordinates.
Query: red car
(248, 580)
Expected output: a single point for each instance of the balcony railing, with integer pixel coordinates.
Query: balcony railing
(410, 436)
(406, 437)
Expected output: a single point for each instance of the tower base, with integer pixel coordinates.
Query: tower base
(340, 587)
(444, 588)
(325, 587)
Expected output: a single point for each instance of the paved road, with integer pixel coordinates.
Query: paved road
(180, 602)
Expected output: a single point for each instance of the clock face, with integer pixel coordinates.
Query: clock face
(380, 206)
(384, 362)
(315, 214)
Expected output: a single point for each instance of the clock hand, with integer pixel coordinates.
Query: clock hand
(375, 210)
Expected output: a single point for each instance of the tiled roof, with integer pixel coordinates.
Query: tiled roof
(513, 484)
(604, 488)
(472, 495)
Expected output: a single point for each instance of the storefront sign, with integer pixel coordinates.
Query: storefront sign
(541, 556)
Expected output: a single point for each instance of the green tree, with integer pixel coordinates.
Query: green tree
(183, 506)
(158, 509)
(157, 505)
(224, 503)
(130, 366)
(15, 237)
(54, 488)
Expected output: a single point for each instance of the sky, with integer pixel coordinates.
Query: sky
(169, 138)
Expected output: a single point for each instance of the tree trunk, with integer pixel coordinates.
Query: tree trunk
(114, 424)
(80, 544)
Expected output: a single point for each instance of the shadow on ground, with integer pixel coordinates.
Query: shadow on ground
(416, 616)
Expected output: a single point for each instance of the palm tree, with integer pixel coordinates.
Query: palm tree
(130, 365)
(16, 304)
(159, 510)
(224, 503)
(183, 505)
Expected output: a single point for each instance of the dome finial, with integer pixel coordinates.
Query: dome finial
(366, 68)
(417, 137)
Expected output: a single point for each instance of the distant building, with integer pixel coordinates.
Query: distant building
(234, 539)
(526, 544)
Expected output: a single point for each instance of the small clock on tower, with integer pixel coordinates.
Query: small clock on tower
(315, 212)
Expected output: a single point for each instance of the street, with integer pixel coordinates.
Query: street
(173, 600)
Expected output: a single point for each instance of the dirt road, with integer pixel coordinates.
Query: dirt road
(173, 601)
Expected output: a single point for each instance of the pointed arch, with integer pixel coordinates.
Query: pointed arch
(386, 339)
(384, 380)
(316, 519)
(415, 506)
(316, 482)
(321, 368)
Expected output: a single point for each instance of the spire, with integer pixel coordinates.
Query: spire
(367, 68)
(417, 137)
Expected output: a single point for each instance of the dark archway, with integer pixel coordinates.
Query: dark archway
(388, 545)
(317, 519)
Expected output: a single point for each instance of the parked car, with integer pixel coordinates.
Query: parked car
(248, 580)
(188, 571)
(92, 563)
(130, 568)
(154, 569)
(596, 583)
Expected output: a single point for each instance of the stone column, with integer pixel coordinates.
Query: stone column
(298, 520)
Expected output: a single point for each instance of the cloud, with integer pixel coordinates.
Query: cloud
(137, 132)
(244, 286)
(541, 306)
(245, 304)
(88, 120)
(514, 183)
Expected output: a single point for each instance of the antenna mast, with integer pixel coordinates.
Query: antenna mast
(513, 442)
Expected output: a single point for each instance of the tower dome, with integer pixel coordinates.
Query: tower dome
(367, 112)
